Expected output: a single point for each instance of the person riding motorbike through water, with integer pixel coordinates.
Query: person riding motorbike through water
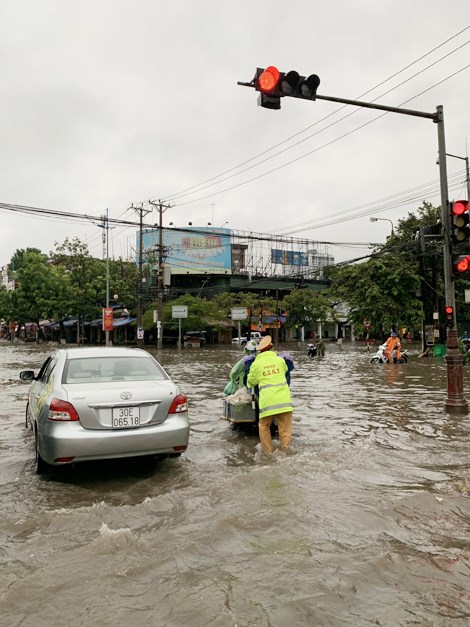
(239, 372)
(393, 343)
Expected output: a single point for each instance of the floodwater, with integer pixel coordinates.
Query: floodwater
(366, 522)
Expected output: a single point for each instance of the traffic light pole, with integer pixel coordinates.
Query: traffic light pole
(455, 401)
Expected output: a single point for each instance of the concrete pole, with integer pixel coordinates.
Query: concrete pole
(160, 278)
(140, 342)
(105, 234)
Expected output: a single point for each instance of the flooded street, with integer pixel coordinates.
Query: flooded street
(366, 522)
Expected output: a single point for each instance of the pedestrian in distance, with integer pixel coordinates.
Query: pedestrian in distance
(312, 350)
(320, 348)
(268, 372)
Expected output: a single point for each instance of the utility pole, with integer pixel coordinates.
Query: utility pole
(105, 240)
(140, 310)
(160, 282)
(106, 234)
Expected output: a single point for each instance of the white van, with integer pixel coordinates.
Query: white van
(255, 335)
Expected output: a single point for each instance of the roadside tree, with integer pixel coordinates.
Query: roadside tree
(304, 308)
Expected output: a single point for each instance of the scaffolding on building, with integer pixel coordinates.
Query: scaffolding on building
(252, 254)
(259, 254)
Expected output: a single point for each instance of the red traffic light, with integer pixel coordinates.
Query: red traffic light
(459, 207)
(461, 264)
(268, 79)
(449, 316)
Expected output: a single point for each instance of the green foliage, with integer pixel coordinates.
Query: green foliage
(6, 312)
(200, 313)
(40, 288)
(382, 291)
(18, 256)
(304, 307)
(87, 277)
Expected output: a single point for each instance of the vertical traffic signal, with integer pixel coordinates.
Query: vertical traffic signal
(267, 83)
(273, 85)
(460, 228)
(449, 316)
(460, 264)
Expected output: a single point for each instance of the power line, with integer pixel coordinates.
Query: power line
(367, 209)
(199, 187)
(329, 143)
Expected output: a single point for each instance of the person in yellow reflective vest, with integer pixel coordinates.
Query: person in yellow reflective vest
(268, 372)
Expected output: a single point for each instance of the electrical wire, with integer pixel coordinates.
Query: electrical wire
(329, 143)
(195, 187)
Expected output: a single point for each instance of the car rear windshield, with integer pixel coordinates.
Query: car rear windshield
(98, 369)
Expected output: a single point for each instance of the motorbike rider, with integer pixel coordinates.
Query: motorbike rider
(239, 371)
(393, 343)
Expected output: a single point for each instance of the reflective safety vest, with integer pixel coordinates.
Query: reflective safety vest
(268, 372)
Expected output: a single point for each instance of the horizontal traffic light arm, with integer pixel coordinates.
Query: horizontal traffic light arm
(359, 103)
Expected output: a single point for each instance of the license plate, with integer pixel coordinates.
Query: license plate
(126, 417)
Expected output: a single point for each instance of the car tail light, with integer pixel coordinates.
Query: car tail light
(62, 410)
(179, 404)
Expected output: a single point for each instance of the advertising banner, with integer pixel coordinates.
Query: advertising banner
(190, 250)
(288, 257)
(107, 319)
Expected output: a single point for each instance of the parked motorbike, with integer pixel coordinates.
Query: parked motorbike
(381, 358)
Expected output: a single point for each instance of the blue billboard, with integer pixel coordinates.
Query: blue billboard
(193, 250)
(288, 257)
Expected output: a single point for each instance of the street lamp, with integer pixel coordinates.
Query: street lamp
(386, 220)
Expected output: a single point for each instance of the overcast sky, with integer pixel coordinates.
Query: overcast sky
(108, 103)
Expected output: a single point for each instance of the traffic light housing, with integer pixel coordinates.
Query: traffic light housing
(449, 316)
(460, 218)
(273, 85)
(460, 264)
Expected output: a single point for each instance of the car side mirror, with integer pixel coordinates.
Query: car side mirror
(27, 375)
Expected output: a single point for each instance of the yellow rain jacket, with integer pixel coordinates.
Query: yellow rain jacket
(268, 372)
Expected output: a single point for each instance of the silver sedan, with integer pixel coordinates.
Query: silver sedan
(103, 403)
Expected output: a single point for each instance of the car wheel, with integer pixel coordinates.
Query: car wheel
(189, 345)
(374, 360)
(404, 359)
(41, 465)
